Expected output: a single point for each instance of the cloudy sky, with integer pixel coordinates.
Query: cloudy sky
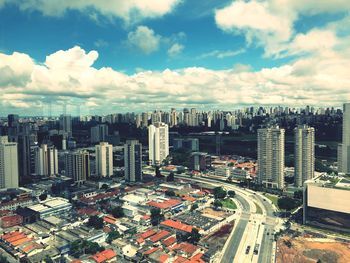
(111, 56)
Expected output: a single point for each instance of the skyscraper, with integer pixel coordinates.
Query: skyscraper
(46, 160)
(77, 166)
(133, 161)
(304, 153)
(158, 141)
(99, 133)
(66, 124)
(271, 157)
(344, 147)
(104, 159)
(8, 163)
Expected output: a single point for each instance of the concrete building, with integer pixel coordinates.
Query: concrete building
(66, 124)
(104, 159)
(271, 157)
(46, 160)
(344, 147)
(158, 141)
(8, 163)
(51, 206)
(304, 154)
(191, 144)
(77, 166)
(133, 161)
(99, 133)
(326, 203)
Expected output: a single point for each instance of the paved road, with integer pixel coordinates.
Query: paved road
(266, 245)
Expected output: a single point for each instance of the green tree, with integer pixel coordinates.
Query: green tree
(194, 207)
(156, 216)
(170, 193)
(194, 236)
(231, 193)
(105, 186)
(217, 203)
(43, 196)
(95, 222)
(287, 203)
(170, 177)
(219, 193)
(158, 173)
(47, 260)
(298, 194)
(112, 236)
(3, 259)
(118, 212)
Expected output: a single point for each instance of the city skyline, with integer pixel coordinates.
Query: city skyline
(127, 56)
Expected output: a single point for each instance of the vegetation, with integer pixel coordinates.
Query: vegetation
(156, 216)
(81, 247)
(42, 197)
(217, 203)
(181, 157)
(192, 237)
(105, 186)
(231, 193)
(298, 194)
(47, 260)
(228, 203)
(117, 212)
(170, 177)
(112, 236)
(219, 193)
(258, 208)
(158, 173)
(95, 222)
(273, 199)
(3, 259)
(170, 193)
(194, 207)
(287, 203)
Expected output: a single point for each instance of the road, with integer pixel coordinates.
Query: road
(247, 232)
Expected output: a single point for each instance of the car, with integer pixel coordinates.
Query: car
(247, 250)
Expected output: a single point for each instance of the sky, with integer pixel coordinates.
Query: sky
(108, 56)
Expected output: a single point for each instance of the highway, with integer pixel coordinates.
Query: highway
(248, 231)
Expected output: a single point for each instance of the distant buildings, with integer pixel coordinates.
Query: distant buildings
(77, 166)
(304, 154)
(344, 147)
(66, 124)
(326, 203)
(99, 133)
(8, 163)
(104, 159)
(158, 141)
(133, 161)
(46, 160)
(271, 157)
(190, 144)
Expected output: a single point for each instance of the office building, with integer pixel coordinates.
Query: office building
(104, 159)
(66, 124)
(190, 144)
(133, 161)
(158, 142)
(8, 163)
(326, 203)
(304, 154)
(46, 160)
(271, 157)
(99, 133)
(77, 166)
(344, 147)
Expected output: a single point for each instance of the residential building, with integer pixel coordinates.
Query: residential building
(77, 166)
(158, 141)
(304, 154)
(133, 161)
(66, 124)
(344, 147)
(46, 160)
(104, 159)
(99, 133)
(271, 157)
(8, 163)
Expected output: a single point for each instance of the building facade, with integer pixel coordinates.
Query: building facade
(304, 153)
(158, 142)
(8, 163)
(344, 147)
(271, 157)
(104, 159)
(133, 161)
(46, 160)
(77, 166)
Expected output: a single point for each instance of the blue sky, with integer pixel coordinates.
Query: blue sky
(219, 54)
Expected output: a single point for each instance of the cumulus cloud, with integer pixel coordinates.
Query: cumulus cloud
(222, 53)
(144, 39)
(67, 76)
(128, 10)
(175, 49)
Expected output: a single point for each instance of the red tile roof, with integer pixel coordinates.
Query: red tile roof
(188, 198)
(177, 225)
(147, 234)
(197, 258)
(103, 256)
(165, 204)
(160, 235)
(180, 259)
(186, 247)
(152, 250)
(163, 258)
(169, 241)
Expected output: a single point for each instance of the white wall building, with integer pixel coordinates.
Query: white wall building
(46, 160)
(344, 147)
(158, 141)
(8, 163)
(104, 159)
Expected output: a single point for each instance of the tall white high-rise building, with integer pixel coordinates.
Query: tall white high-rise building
(271, 157)
(104, 159)
(46, 160)
(158, 141)
(8, 163)
(133, 161)
(304, 154)
(77, 166)
(344, 147)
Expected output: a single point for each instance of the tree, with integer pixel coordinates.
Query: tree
(47, 260)
(194, 236)
(287, 203)
(169, 193)
(104, 186)
(43, 196)
(80, 247)
(112, 236)
(219, 193)
(231, 193)
(158, 173)
(156, 216)
(3, 259)
(194, 207)
(298, 194)
(118, 212)
(170, 177)
(95, 222)
(217, 203)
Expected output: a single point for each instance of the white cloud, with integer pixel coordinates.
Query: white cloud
(129, 10)
(68, 76)
(175, 49)
(222, 53)
(144, 39)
